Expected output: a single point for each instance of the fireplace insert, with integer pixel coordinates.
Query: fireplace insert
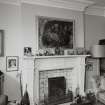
(56, 86)
(57, 91)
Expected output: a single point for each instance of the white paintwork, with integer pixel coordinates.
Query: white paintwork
(67, 4)
(72, 4)
(10, 22)
(99, 2)
(56, 56)
(94, 30)
(32, 66)
(78, 5)
(13, 2)
(95, 10)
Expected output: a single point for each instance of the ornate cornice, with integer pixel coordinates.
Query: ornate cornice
(13, 2)
(96, 10)
(78, 5)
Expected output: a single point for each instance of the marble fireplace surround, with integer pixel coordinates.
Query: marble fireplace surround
(72, 67)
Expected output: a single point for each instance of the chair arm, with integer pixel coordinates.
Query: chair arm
(3, 99)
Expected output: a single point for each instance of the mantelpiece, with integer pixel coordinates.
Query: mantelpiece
(47, 64)
(56, 56)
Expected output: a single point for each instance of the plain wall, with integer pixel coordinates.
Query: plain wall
(10, 22)
(95, 30)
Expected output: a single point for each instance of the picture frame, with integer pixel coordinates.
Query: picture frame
(89, 66)
(90, 62)
(27, 51)
(12, 63)
(1, 43)
(55, 32)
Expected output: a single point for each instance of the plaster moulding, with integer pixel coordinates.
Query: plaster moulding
(78, 5)
(96, 10)
(13, 2)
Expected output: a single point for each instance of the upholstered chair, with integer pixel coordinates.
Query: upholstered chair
(99, 88)
(3, 99)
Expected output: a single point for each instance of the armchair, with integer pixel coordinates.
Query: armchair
(3, 99)
(99, 88)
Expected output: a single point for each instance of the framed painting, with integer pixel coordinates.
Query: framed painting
(12, 63)
(1, 42)
(54, 32)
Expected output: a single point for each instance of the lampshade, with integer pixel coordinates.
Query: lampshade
(98, 51)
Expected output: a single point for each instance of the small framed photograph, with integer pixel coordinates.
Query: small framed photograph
(12, 63)
(27, 51)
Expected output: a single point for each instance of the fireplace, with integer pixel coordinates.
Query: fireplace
(55, 83)
(56, 87)
(45, 72)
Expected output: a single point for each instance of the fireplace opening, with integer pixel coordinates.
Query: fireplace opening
(57, 91)
(56, 87)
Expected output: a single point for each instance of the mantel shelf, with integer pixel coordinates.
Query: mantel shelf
(55, 56)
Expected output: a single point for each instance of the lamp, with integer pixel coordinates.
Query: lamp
(98, 51)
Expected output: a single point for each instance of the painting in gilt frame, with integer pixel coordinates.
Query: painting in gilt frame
(54, 32)
(1, 42)
(12, 63)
